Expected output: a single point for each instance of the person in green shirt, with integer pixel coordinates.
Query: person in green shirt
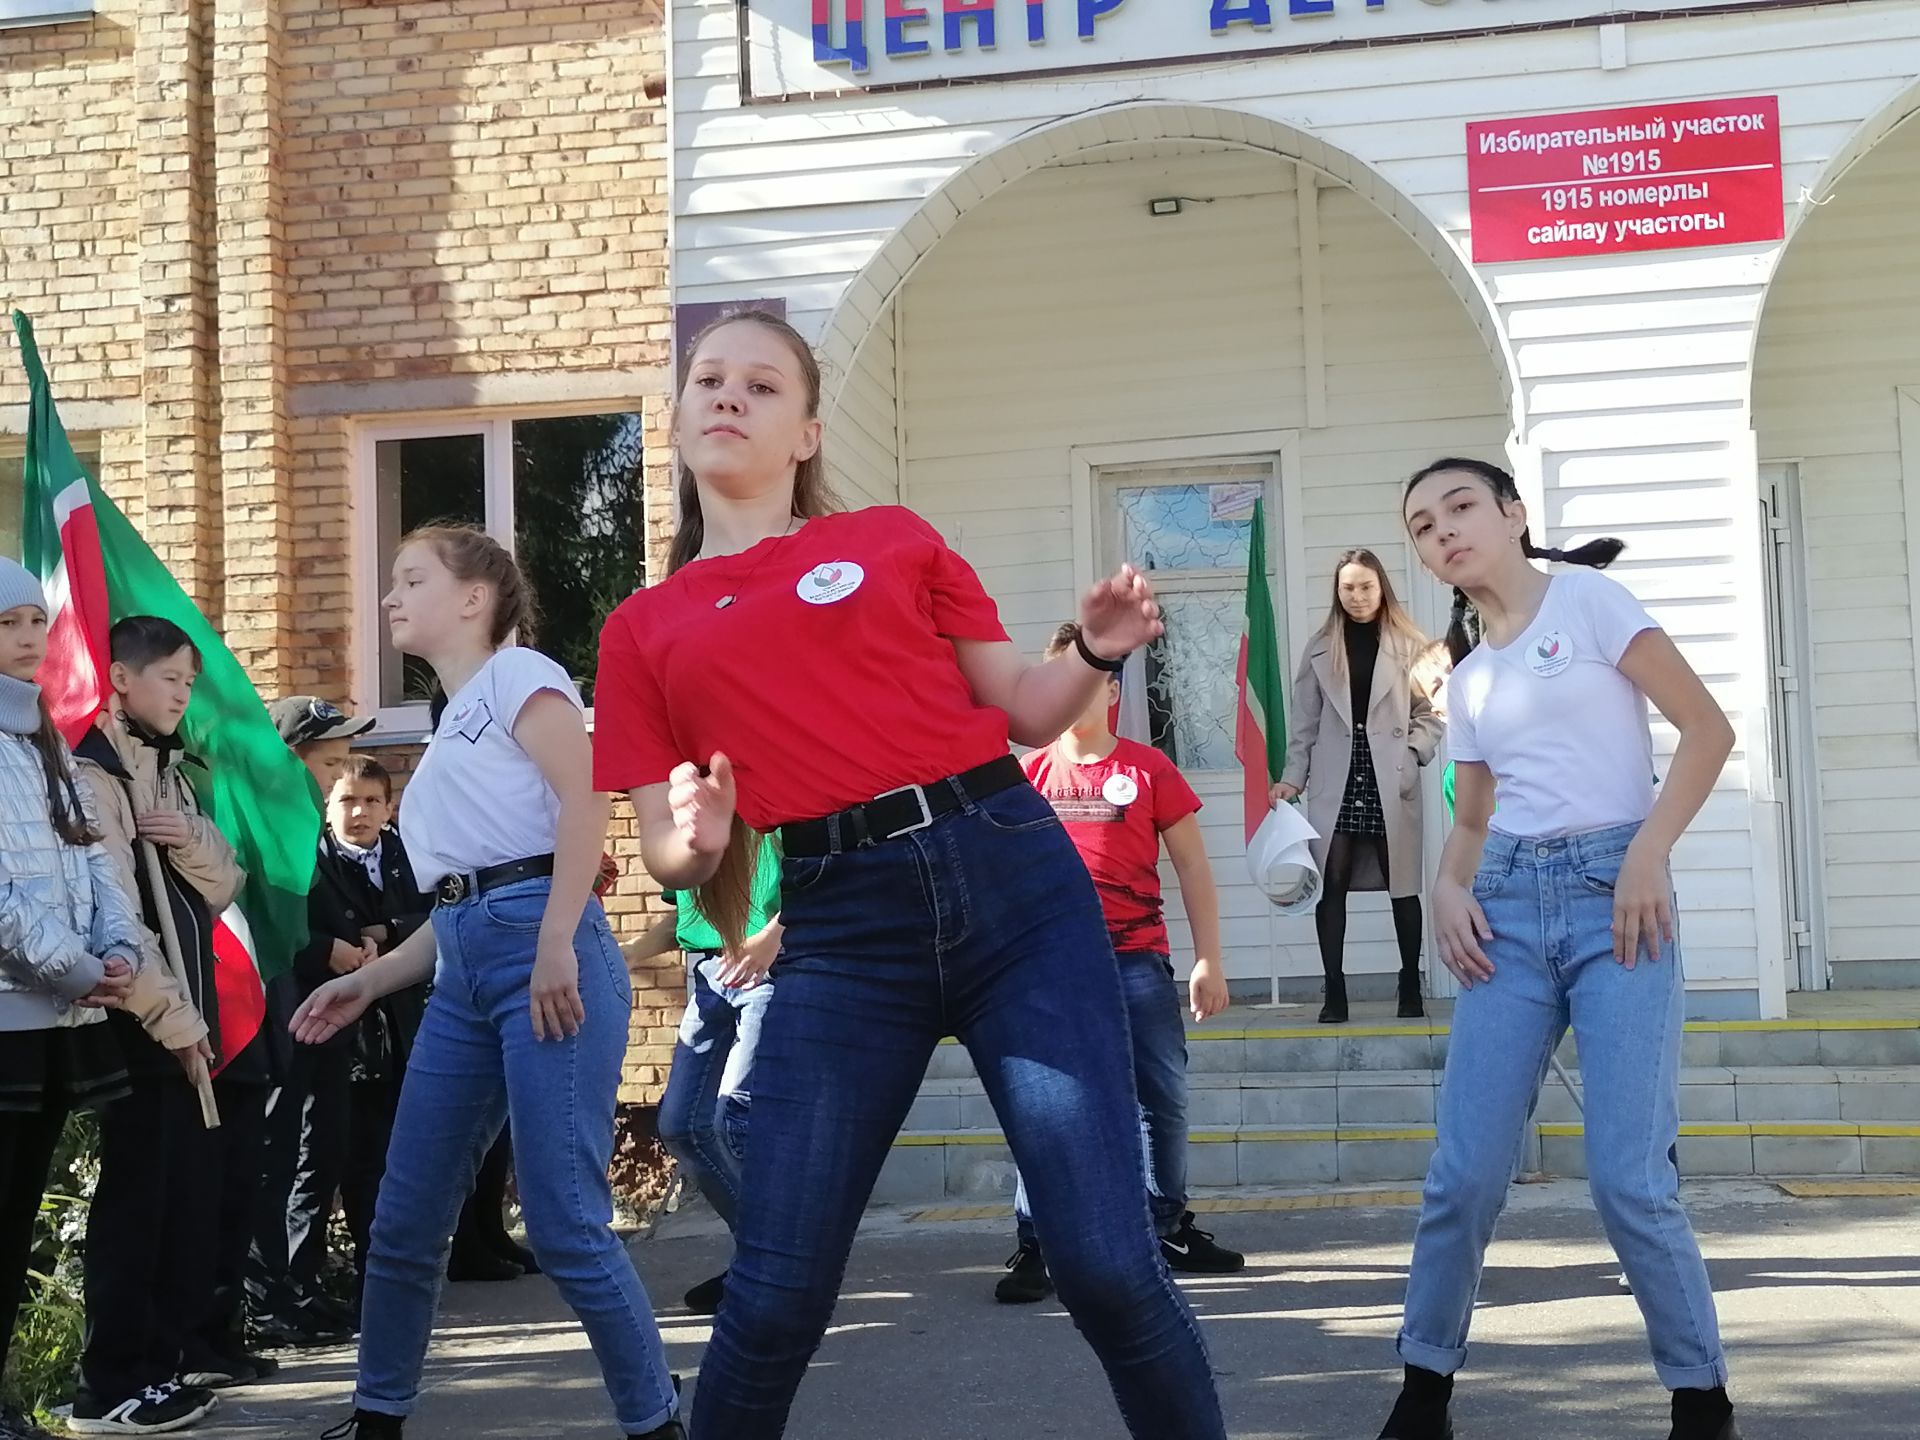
(703, 1114)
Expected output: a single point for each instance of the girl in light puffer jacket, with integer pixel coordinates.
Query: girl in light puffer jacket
(71, 947)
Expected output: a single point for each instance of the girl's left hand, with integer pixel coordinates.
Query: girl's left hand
(1642, 906)
(746, 969)
(1120, 615)
(553, 995)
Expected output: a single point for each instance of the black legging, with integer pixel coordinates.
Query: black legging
(27, 1143)
(1330, 916)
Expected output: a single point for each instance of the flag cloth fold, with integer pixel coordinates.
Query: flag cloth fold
(97, 570)
(1260, 725)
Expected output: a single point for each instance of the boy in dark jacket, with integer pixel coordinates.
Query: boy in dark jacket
(363, 887)
(308, 1119)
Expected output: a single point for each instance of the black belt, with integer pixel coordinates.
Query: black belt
(899, 812)
(455, 888)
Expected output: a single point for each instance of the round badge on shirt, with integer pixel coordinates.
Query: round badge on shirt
(1549, 655)
(1120, 790)
(824, 584)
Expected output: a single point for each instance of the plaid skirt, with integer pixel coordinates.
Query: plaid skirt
(78, 1067)
(1360, 810)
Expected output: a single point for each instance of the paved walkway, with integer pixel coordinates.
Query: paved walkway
(1820, 1299)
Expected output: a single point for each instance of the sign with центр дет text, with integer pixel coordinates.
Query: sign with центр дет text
(815, 47)
(1655, 177)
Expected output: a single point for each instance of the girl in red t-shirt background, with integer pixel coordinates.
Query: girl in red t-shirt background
(927, 889)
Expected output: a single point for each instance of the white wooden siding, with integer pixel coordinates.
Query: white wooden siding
(1060, 314)
(1619, 370)
(1839, 337)
(863, 444)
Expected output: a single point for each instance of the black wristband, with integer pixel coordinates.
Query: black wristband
(1112, 667)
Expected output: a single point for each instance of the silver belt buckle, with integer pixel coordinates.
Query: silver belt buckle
(453, 889)
(926, 810)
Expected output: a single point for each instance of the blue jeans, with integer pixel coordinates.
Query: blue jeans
(1159, 1030)
(985, 926)
(474, 1063)
(1550, 906)
(703, 1114)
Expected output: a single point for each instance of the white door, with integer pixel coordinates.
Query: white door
(1792, 753)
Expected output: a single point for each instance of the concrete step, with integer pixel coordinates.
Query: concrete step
(976, 1165)
(1368, 1126)
(1235, 1044)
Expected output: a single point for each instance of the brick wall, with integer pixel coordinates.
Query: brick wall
(474, 189)
(211, 208)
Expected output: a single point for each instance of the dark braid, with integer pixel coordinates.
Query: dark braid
(64, 808)
(1463, 631)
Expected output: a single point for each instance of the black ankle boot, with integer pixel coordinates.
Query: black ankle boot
(1411, 1007)
(1703, 1415)
(1334, 1012)
(366, 1425)
(1423, 1410)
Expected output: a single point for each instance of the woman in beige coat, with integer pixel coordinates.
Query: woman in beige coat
(1361, 732)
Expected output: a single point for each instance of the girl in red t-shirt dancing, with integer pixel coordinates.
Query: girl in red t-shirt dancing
(927, 890)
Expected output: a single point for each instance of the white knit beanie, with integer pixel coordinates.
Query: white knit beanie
(19, 587)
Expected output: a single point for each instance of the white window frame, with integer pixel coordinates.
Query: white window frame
(399, 724)
(1094, 469)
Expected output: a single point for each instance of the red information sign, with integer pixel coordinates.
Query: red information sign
(1656, 177)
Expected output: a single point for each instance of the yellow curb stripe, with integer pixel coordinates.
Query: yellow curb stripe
(1439, 1028)
(1815, 1129)
(1221, 1205)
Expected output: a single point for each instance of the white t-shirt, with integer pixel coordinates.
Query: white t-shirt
(1564, 732)
(477, 799)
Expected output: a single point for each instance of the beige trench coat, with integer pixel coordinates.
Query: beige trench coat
(1404, 733)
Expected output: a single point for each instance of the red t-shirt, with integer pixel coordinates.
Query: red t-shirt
(1114, 810)
(829, 680)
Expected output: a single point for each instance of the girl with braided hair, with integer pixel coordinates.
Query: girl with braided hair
(1558, 911)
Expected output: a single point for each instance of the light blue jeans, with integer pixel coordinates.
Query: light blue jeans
(475, 1062)
(703, 1114)
(1549, 904)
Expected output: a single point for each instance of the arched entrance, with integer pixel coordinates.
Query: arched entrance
(1101, 342)
(1836, 407)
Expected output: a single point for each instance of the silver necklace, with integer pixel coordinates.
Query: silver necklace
(725, 600)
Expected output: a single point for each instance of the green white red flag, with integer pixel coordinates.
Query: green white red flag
(1260, 726)
(96, 570)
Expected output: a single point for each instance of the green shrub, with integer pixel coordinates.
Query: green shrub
(46, 1342)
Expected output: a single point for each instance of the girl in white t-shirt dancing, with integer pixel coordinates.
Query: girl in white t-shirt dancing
(1558, 910)
(531, 999)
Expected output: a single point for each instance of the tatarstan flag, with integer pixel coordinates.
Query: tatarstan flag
(1260, 727)
(96, 570)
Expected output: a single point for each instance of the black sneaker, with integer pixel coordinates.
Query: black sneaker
(219, 1375)
(672, 1430)
(704, 1298)
(1026, 1279)
(330, 1315)
(295, 1330)
(475, 1264)
(1192, 1250)
(157, 1410)
(366, 1425)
